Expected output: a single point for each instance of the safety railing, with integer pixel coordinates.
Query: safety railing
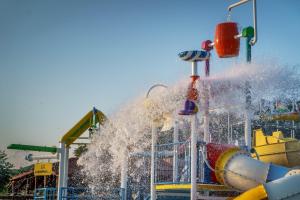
(45, 193)
(72, 193)
(172, 162)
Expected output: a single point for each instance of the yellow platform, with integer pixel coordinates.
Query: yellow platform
(276, 148)
(187, 187)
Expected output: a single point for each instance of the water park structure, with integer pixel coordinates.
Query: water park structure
(262, 166)
(218, 171)
(91, 122)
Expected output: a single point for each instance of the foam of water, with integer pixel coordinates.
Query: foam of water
(130, 128)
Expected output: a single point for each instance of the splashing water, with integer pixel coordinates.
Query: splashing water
(130, 128)
(229, 16)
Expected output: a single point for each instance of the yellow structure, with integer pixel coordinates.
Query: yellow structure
(257, 193)
(91, 118)
(276, 148)
(292, 116)
(187, 187)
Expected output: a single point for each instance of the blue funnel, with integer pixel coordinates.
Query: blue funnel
(190, 108)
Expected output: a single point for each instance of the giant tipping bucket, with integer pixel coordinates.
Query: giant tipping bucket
(227, 43)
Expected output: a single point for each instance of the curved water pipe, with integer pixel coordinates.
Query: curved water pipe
(254, 39)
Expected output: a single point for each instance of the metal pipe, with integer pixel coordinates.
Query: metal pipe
(154, 86)
(175, 152)
(193, 157)
(247, 130)
(254, 39)
(194, 68)
(31, 157)
(238, 36)
(206, 104)
(61, 176)
(228, 128)
(211, 44)
(154, 141)
(237, 4)
(124, 177)
(66, 167)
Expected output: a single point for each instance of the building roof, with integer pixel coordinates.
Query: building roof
(73, 167)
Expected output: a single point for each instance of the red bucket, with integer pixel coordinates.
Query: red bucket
(225, 42)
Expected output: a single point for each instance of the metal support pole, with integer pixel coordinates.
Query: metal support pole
(248, 130)
(206, 105)
(153, 157)
(194, 69)
(293, 130)
(228, 128)
(61, 177)
(193, 157)
(66, 167)
(124, 176)
(248, 49)
(231, 132)
(206, 116)
(175, 152)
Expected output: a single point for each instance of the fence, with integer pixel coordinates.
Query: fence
(71, 193)
(172, 162)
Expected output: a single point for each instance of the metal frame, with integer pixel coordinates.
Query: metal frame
(254, 39)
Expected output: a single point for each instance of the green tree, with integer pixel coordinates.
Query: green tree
(80, 150)
(5, 170)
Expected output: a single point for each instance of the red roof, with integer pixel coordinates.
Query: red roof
(73, 167)
(19, 176)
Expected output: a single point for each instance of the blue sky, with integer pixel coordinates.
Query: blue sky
(60, 58)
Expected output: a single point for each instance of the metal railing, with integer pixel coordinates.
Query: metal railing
(71, 193)
(45, 193)
(172, 162)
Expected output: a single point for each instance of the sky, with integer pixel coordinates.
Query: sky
(59, 58)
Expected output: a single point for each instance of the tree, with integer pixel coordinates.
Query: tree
(80, 150)
(5, 170)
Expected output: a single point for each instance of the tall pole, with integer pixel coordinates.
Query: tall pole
(194, 145)
(61, 174)
(175, 152)
(124, 176)
(228, 128)
(248, 33)
(248, 140)
(206, 104)
(251, 34)
(194, 57)
(153, 144)
(206, 45)
(193, 157)
(66, 167)
(153, 157)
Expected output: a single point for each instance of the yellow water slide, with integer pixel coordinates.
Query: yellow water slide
(286, 188)
(89, 120)
(236, 169)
